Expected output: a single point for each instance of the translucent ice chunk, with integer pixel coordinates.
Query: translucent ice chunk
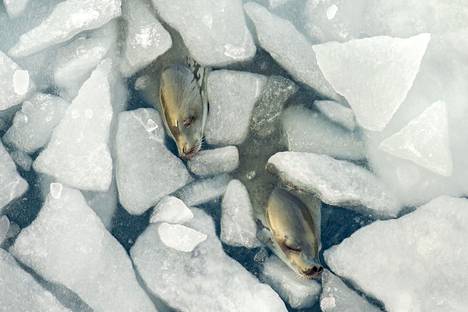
(172, 210)
(337, 113)
(215, 161)
(204, 190)
(180, 237)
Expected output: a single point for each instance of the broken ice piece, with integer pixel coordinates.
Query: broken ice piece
(15, 8)
(67, 244)
(414, 263)
(78, 153)
(337, 297)
(33, 125)
(424, 141)
(232, 96)
(214, 161)
(22, 160)
(104, 203)
(215, 33)
(238, 227)
(337, 113)
(12, 185)
(146, 37)
(180, 237)
(388, 65)
(171, 210)
(68, 18)
(204, 190)
(335, 182)
(15, 83)
(300, 293)
(4, 226)
(289, 48)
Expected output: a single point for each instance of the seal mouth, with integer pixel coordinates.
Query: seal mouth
(313, 271)
(187, 155)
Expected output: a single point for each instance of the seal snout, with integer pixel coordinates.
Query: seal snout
(188, 151)
(313, 271)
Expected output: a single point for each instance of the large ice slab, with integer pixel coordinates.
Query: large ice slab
(146, 38)
(21, 292)
(415, 263)
(78, 153)
(299, 292)
(214, 161)
(203, 190)
(232, 96)
(289, 48)
(146, 171)
(68, 244)
(336, 182)
(337, 297)
(214, 32)
(238, 226)
(308, 131)
(15, 83)
(12, 185)
(337, 113)
(33, 125)
(389, 66)
(201, 280)
(424, 141)
(172, 210)
(68, 19)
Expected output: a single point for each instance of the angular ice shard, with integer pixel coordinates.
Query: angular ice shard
(336, 182)
(15, 84)
(104, 204)
(21, 292)
(214, 32)
(22, 159)
(215, 161)
(33, 125)
(4, 226)
(15, 8)
(388, 65)
(414, 263)
(68, 19)
(424, 141)
(337, 297)
(146, 37)
(146, 170)
(289, 48)
(180, 237)
(337, 113)
(171, 210)
(67, 244)
(204, 190)
(12, 185)
(78, 153)
(299, 292)
(309, 131)
(238, 227)
(232, 96)
(76, 60)
(205, 279)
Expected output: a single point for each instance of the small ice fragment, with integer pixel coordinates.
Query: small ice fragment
(331, 11)
(180, 237)
(151, 125)
(56, 190)
(21, 81)
(203, 190)
(337, 113)
(4, 226)
(215, 161)
(15, 8)
(171, 210)
(15, 83)
(22, 159)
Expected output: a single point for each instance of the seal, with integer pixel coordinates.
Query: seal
(184, 106)
(291, 232)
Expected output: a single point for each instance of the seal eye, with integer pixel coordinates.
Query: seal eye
(188, 121)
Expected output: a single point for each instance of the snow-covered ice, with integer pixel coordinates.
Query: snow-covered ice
(238, 226)
(336, 182)
(299, 292)
(15, 83)
(180, 237)
(33, 124)
(337, 113)
(203, 190)
(68, 244)
(414, 263)
(214, 32)
(172, 210)
(78, 153)
(214, 161)
(337, 297)
(143, 162)
(205, 279)
(14, 8)
(21, 292)
(232, 96)
(309, 131)
(289, 48)
(68, 19)
(389, 66)
(12, 185)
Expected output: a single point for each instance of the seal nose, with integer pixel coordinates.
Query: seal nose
(188, 151)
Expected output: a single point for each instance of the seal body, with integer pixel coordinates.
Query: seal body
(293, 235)
(184, 107)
